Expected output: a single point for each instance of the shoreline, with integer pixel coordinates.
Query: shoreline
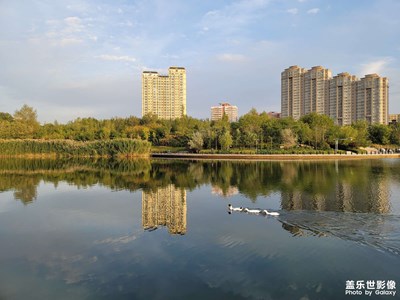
(271, 156)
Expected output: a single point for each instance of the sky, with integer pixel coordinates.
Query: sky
(84, 58)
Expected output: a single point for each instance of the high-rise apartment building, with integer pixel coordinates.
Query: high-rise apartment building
(292, 92)
(231, 111)
(316, 90)
(164, 95)
(343, 97)
(372, 99)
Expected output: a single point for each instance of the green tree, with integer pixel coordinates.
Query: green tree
(6, 117)
(196, 142)
(362, 135)
(26, 124)
(395, 134)
(226, 140)
(320, 125)
(379, 134)
(289, 139)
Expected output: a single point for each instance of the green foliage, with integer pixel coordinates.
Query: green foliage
(379, 134)
(395, 134)
(196, 143)
(109, 148)
(253, 131)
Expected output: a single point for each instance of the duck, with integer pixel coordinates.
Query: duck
(252, 211)
(272, 213)
(231, 208)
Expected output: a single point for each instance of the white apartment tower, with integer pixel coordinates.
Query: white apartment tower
(164, 95)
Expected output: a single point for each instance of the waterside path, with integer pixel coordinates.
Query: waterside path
(272, 156)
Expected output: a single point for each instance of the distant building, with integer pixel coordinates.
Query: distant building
(217, 112)
(164, 95)
(344, 98)
(394, 118)
(273, 114)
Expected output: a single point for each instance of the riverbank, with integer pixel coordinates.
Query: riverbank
(272, 156)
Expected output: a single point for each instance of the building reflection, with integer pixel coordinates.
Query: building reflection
(345, 196)
(224, 192)
(165, 207)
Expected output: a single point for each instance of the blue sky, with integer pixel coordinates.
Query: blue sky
(83, 58)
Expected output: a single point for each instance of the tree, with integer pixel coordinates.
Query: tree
(26, 114)
(362, 136)
(196, 143)
(379, 134)
(226, 140)
(6, 117)
(289, 139)
(26, 124)
(395, 134)
(319, 125)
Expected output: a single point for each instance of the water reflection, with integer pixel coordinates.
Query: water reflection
(165, 207)
(81, 241)
(227, 192)
(376, 231)
(367, 195)
(343, 186)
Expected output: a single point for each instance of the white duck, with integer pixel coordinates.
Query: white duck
(252, 211)
(272, 213)
(231, 208)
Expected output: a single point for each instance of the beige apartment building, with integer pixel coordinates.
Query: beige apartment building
(231, 111)
(292, 92)
(394, 118)
(344, 98)
(316, 90)
(372, 99)
(164, 95)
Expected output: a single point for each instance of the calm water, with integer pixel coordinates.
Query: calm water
(160, 229)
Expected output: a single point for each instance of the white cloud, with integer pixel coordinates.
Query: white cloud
(233, 16)
(116, 58)
(68, 41)
(376, 66)
(232, 57)
(73, 24)
(292, 11)
(313, 11)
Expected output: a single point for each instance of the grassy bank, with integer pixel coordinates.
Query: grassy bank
(69, 148)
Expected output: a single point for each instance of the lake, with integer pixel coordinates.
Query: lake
(160, 229)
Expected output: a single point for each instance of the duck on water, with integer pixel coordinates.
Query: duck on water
(252, 211)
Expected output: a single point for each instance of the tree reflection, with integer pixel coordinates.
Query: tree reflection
(348, 186)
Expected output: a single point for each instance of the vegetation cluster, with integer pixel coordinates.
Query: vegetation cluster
(253, 133)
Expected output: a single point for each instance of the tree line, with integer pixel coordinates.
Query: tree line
(254, 130)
